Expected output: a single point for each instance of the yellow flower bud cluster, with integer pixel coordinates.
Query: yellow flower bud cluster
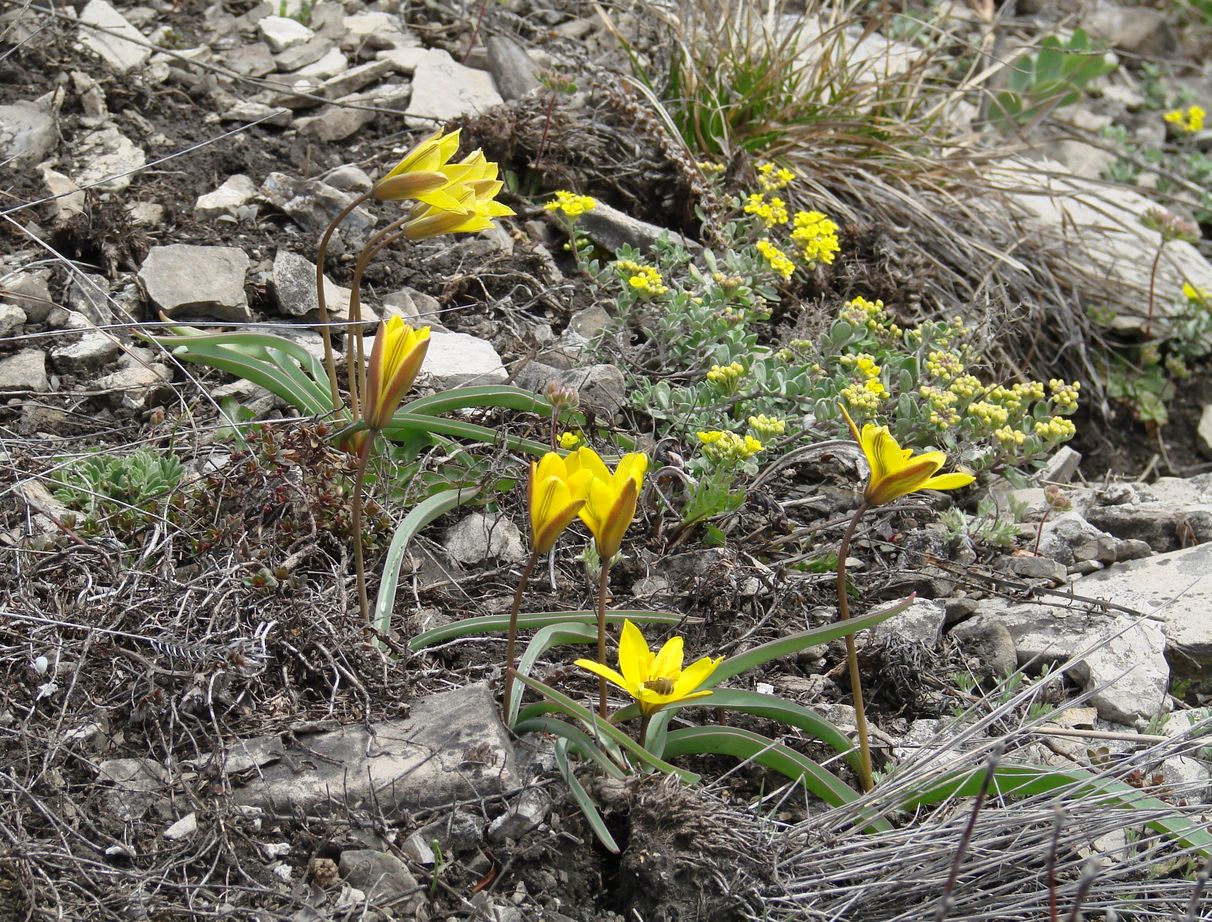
(1064, 395)
(1010, 438)
(726, 376)
(865, 396)
(643, 278)
(870, 314)
(1056, 429)
(864, 362)
(728, 447)
(1189, 120)
(772, 212)
(727, 282)
(570, 204)
(569, 440)
(1177, 367)
(772, 178)
(710, 168)
(776, 258)
(988, 414)
(768, 427)
(817, 236)
(945, 365)
(966, 387)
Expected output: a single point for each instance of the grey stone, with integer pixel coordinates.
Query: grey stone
(349, 178)
(69, 199)
(24, 371)
(920, 623)
(28, 289)
(610, 229)
(106, 32)
(414, 307)
(311, 204)
(355, 79)
(91, 350)
(1203, 432)
(458, 831)
(135, 786)
(236, 192)
(247, 111)
(381, 876)
(107, 159)
(182, 828)
(139, 380)
(458, 358)
(512, 69)
(330, 65)
(1168, 514)
(28, 133)
(252, 60)
(197, 281)
(281, 33)
(1138, 30)
(526, 815)
(1069, 539)
(92, 97)
(309, 52)
(293, 280)
(442, 89)
(11, 317)
(1177, 587)
(376, 30)
(335, 123)
(87, 294)
(1029, 567)
(1061, 467)
(452, 747)
(988, 645)
(478, 538)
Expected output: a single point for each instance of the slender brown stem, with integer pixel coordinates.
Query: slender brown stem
(1152, 289)
(475, 35)
(511, 644)
(330, 364)
(359, 565)
(645, 720)
(357, 357)
(856, 682)
(603, 581)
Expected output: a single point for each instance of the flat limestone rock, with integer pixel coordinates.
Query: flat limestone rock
(452, 747)
(107, 33)
(197, 282)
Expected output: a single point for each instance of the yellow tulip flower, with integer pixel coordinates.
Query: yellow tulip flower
(895, 471)
(654, 680)
(612, 497)
(426, 174)
(475, 193)
(394, 364)
(556, 496)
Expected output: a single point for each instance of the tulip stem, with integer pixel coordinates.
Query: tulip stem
(359, 564)
(856, 682)
(357, 364)
(603, 582)
(511, 644)
(330, 365)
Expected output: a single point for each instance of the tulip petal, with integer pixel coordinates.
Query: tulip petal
(948, 481)
(634, 655)
(668, 661)
(695, 675)
(608, 674)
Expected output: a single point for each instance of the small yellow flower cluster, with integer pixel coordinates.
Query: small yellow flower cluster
(865, 363)
(870, 314)
(1064, 395)
(989, 414)
(570, 204)
(1177, 367)
(945, 365)
(818, 237)
(1057, 429)
(729, 283)
(569, 440)
(772, 213)
(644, 279)
(726, 376)
(728, 447)
(1189, 120)
(1010, 438)
(772, 179)
(776, 258)
(865, 396)
(768, 427)
(966, 387)
(710, 167)
(1197, 294)
(939, 398)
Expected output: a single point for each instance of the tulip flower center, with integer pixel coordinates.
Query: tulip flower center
(662, 686)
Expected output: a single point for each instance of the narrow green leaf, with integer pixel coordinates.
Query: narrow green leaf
(746, 745)
(404, 422)
(528, 621)
(421, 515)
(584, 801)
(605, 728)
(259, 372)
(581, 740)
(552, 636)
(787, 646)
(462, 398)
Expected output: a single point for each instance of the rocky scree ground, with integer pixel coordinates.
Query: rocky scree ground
(192, 723)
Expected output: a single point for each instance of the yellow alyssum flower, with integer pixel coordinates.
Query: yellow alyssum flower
(767, 426)
(426, 174)
(817, 236)
(989, 414)
(772, 178)
(896, 471)
(475, 199)
(776, 258)
(1064, 395)
(1056, 429)
(1189, 120)
(570, 204)
(772, 212)
(1010, 438)
(654, 680)
(726, 376)
(728, 447)
(610, 505)
(556, 498)
(394, 363)
(569, 440)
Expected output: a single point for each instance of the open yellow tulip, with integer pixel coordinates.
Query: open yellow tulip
(426, 174)
(556, 496)
(475, 193)
(654, 679)
(394, 364)
(612, 497)
(896, 471)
